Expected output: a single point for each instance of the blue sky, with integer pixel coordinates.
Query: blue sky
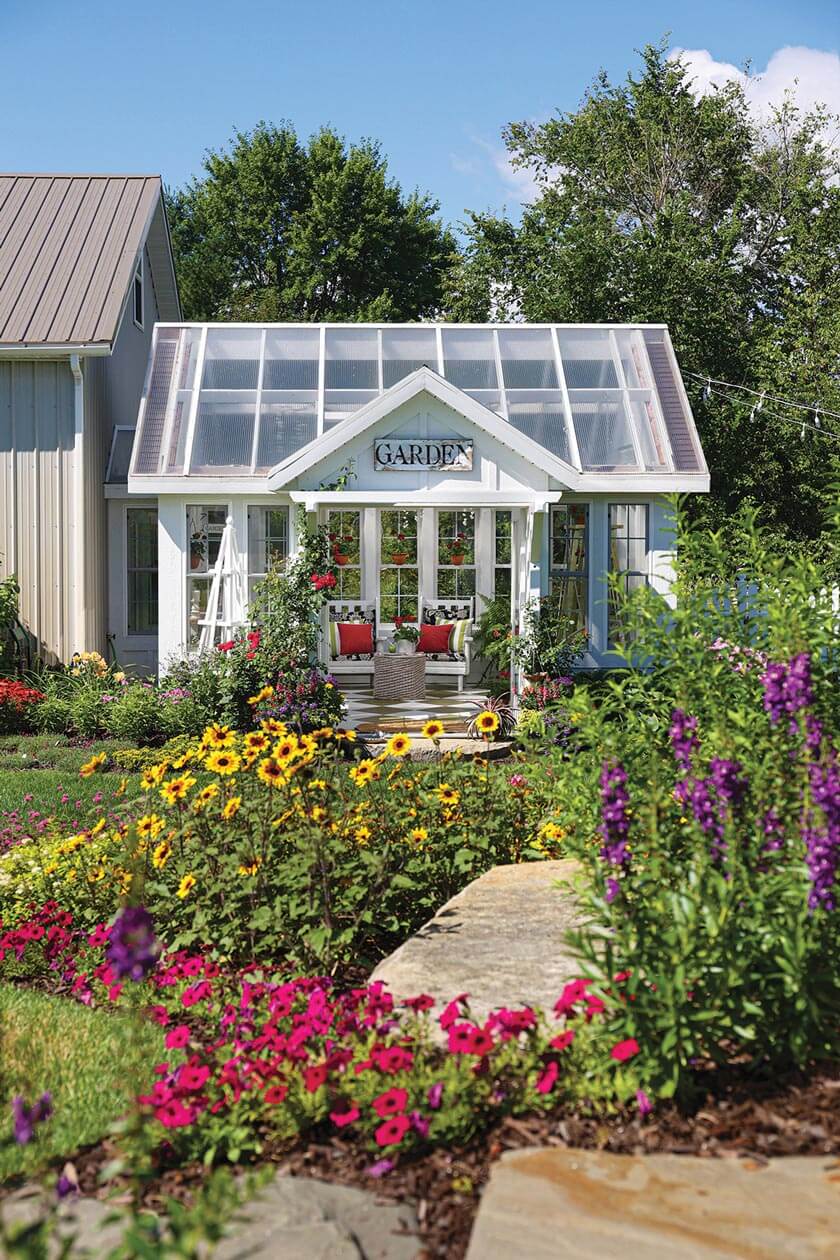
(125, 86)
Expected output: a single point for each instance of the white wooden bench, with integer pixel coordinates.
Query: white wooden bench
(458, 612)
(357, 612)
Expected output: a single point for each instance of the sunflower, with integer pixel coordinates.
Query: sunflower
(251, 868)
(362, 834)
(90, 767)
(433, 729)
(185, 886)
(100, 826)
(264, 693)
(95, 874)
(287, 748)
(323, 732)
(364, 772)
(448, 795)
(176, 789)
(418, 834)
(223, 762)
(216, 736)
(487, 722)
(231, 807)
(318, 785)
(150, 825)
(256, 742)
(273, 726)
(161, 855)
(317, 813)
(398, 745)
(154, 775)
(349, 736)
(271, 772)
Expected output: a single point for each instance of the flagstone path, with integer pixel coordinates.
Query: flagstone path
(549, 1204)
(501, 941)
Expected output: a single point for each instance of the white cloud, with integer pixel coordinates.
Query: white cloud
(519, 182)
(810, 75)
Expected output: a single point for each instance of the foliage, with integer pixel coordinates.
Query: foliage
(659, 204)
(550, 641)
(280, 230)
(707, 815)
(17, 703)
(9, 601)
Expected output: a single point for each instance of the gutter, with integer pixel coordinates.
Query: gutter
(78, 620)
(59, 350)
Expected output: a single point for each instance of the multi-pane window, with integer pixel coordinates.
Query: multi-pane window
(344, 533)
(268, 542)
(398, 568)
(455, 555)
(569, 560)
(502, 554)
(205, 526)
(628, 557)
(142, 569)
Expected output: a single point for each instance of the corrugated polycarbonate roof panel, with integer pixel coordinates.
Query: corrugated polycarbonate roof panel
(679, 425)
(68, 248)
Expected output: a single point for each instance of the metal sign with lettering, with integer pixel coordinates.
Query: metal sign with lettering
(405, 454)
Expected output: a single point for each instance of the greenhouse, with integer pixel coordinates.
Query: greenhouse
(450, 464)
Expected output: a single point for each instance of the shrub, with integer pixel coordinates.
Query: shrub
(52, 715)
(17, 706)
(132, 712)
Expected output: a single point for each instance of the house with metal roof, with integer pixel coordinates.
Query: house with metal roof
(449, 463)
(86, 270)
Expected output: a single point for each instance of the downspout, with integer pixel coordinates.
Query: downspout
(78, 620)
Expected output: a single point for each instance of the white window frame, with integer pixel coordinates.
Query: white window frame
(456, 568)
(496, 563)
(190, 574)
(258, 575)
(625, 573)
(128, 633)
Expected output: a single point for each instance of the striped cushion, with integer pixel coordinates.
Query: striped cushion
(334, 640)
(459, 632)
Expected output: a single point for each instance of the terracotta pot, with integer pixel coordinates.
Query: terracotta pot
(536, 679)
(195, 559)
(456, 559)
(340, 558)
(399, 557)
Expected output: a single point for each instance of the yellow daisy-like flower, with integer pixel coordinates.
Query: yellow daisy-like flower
(185, 886)
(90, 767)
(364, 772)
(317, 813)
(154, 775)
(176, 789)
(398, 745)
(433, 729)
(362, 834)
(232, 807)
(184, 759)
(318, 785)
(448, 795)
(72, 843)
(121, 789)
(256, 741)
(348, 736)
(251, 868)
(419, 834)
(487, 722)
(323, 732)
(216, 736)
(207, 793)
(96, 874)
(265, 693)
(223, 762)
(272, 772)
(287, 748)
(161, 855)
(273, 726)
(150, 825)
(100, 826)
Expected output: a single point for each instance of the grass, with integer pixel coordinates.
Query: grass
(46, 767)
(91, 1061)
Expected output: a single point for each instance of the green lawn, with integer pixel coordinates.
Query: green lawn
(91, 1061)
(47, 767)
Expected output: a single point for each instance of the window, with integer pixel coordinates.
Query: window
(268, 542)
(344, 533)
(141, 570)
(502, 555)
(137, 293)
(569, 562)
(398, 571)
(455, 555)
(205, 526)
(628, 556)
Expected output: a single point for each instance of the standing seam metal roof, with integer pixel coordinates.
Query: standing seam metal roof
(68, 248)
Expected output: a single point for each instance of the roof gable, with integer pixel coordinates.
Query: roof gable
(421, 381)
(68, 248)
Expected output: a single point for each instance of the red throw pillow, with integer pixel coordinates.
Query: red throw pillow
(434, 638)
(355, 638)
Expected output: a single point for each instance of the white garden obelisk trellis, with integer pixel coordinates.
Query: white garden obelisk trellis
(227, 601)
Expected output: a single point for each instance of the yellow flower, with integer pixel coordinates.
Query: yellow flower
(187, 883)
(176, 789)
(419, 834)
(223, 762)
(433, 729)
(487, 722)
(100, 826)
(150, 825)
(286, 748)
(318, 785)
(265, 693)
(349, 736)
(448, 795)
(232, 807)
(154, 775)
(364, 772)
(271, 772)
(119, 676)
(216, 736)
(363, 834)
(95, 874)
(256, 741)
(161, 855)
(250, 869)
(72, 843)
(90, 767)
(122, 787)
(185, 759)
(323, 732)
(318, 812)
(398, 745)
(273, 726)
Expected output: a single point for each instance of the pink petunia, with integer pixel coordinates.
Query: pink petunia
(625, 1050)
(461, 1038)
(547, 1078)
(563, 1041)
(275, 1094)
(193, 1078)
(392, 1131)
(314, 1077)
(422, 1002)
(177, 1038)
(393, 1100)
(643, 1103)
(342, 1118)
(174, 1115)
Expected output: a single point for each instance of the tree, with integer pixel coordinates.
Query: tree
(279, 230)
(659, 205)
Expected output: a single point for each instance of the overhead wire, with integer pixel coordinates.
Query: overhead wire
(802, 425)
(763, 394)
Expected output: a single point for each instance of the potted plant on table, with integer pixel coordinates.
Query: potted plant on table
(405, 636)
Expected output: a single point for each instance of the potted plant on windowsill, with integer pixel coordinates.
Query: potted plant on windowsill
(399, 555)
(197, 550)
(405, 637)
(457, 550)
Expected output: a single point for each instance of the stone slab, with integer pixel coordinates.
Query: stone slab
(550, 1204)
(501, 940)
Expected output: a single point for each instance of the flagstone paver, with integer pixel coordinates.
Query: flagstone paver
(550, 1204)
(501, 940)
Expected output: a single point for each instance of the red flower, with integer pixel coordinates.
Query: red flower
(275, 1094)
(625, 1050)
(451, 1011)
(547, 1078)
(423, 1002)
(392, 1131)
(391, 1101)
(575, 991)
(394, 1059)
(314, 1077)
(192, 1078)
(341, 1118)
(178, 1037)
(174, 1115)
(461, 1038)
(563, 1041)
(482, 1042)
(226, 647)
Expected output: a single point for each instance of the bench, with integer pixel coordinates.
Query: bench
(460, 613)
(356, 611)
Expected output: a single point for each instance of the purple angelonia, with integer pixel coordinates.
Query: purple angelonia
(787, 687)
(684, 740)
(132, 946)
(25, 1119)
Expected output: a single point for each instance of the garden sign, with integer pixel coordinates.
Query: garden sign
(413, 454)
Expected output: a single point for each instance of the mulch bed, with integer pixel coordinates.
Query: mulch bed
(747, 1117)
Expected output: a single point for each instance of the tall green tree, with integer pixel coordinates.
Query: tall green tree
(277, 229)
(657, 204)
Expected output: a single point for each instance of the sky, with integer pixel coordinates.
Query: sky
(124, 87)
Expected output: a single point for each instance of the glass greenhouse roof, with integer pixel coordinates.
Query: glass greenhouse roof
(236, 400)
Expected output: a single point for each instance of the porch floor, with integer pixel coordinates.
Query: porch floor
(454, 708)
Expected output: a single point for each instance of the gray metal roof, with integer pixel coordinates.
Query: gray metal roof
(68, 249)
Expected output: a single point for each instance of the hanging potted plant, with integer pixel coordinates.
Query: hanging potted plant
(339, 555)
(456, 550)
(399, 555)
(197, 550)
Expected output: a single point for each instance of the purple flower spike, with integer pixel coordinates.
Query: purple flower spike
(25, 1119)
(684, 741)
(615, 817)
(132, 947)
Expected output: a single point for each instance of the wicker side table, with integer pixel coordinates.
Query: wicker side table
(399, 677)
